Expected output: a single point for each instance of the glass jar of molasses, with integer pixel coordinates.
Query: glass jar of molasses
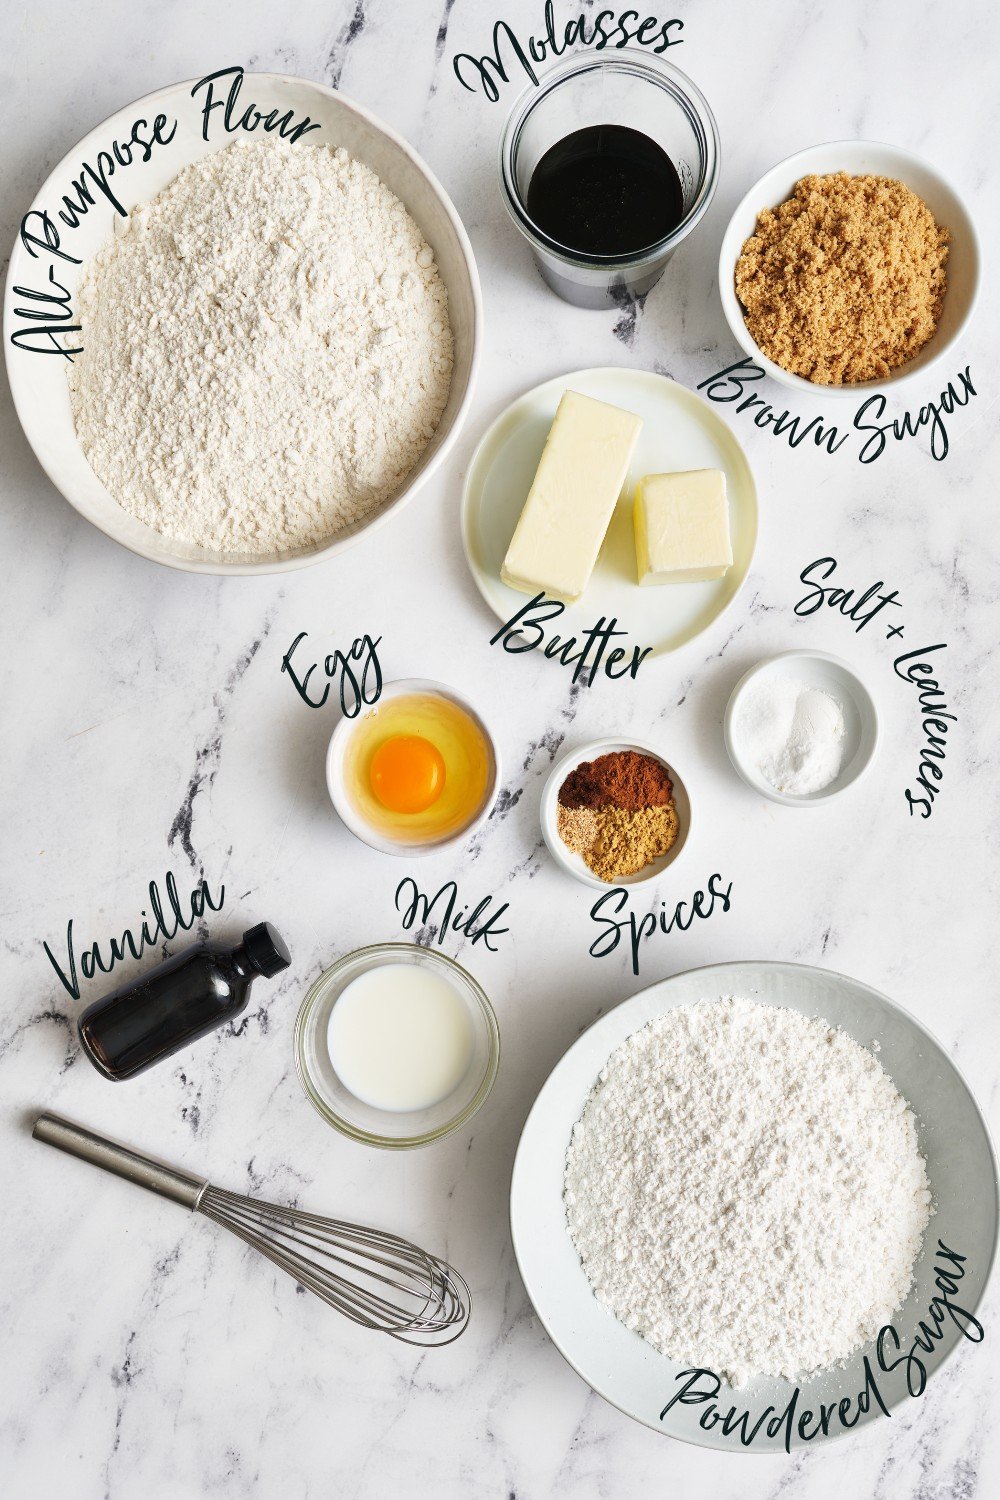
(605, 167)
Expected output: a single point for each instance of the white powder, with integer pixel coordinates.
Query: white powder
(792, 733)
(745, 1190)
(266, 350)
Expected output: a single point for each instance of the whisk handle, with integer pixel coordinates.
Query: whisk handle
(134, 1166)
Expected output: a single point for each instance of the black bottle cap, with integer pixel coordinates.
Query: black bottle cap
(265, 950)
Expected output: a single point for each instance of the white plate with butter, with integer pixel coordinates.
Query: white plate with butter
(680, 431)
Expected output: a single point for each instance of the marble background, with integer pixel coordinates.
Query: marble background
(147, 728)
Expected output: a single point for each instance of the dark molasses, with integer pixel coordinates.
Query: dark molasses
(606, 190)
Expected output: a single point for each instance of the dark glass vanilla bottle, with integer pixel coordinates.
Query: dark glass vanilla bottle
(182, 999)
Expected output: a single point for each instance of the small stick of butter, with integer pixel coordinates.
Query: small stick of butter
(583, 467)
(682, 527)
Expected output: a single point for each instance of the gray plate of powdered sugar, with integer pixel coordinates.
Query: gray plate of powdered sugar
(687, 1398)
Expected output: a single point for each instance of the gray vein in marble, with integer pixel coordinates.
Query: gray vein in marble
(42, 1018)
(208, 754)
(441, 40)
(629, 314)
(550, 742)
(506, 801)
(338, 54)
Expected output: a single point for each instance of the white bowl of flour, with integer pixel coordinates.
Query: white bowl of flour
(236, 354)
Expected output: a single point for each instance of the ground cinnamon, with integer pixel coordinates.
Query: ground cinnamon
(623, 778)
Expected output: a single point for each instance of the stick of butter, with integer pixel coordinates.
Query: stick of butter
(572, 498)
(682, 527)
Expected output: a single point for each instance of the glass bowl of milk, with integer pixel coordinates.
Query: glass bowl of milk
(396, 1045)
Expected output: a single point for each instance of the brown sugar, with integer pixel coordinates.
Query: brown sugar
(845, 280)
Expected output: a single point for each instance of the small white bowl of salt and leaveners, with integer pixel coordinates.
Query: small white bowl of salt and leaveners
(801, 727)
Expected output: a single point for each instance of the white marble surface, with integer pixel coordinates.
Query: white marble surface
(143, 1354)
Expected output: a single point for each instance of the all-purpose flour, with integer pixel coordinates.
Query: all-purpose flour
(267, 350)
(745, 1190)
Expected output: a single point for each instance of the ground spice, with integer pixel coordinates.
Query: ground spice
(578, 827)
(845, 280)
(617, 813)
(623, 778)
(629, 841)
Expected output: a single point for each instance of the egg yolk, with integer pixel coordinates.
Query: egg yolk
(407, 773)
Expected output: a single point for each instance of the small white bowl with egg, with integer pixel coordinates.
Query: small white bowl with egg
(396, 1045)
(830, 676)
(438, 736)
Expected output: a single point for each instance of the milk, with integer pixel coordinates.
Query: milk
(400, 1037)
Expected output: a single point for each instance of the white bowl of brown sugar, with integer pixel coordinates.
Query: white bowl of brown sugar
(615, 813)
(849, 266)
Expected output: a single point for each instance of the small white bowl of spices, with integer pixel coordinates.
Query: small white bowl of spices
(801, 727)
(615, 813)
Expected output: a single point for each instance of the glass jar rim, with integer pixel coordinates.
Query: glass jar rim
(318, 1100)
(628, 60)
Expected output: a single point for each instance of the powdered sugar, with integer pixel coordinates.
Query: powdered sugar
(745, 1190)
(267, 350)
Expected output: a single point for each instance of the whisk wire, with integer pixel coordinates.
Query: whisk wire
(283, 1228)
(351, 1267)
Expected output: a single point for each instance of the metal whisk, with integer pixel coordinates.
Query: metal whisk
(374, 1278)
